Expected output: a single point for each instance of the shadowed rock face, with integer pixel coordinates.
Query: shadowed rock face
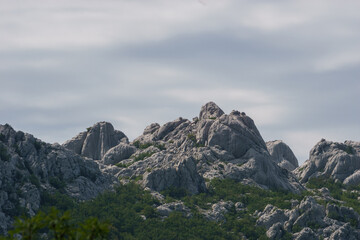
(96, 141)
(30, 167)
(340, 161)
(282, 155)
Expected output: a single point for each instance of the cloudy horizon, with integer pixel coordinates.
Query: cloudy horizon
(292, 66)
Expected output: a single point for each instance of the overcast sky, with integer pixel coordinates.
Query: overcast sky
(293, 66)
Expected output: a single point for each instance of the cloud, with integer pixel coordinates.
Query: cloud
(290, 65)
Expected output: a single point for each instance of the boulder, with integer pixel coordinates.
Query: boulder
(282, 154)
(118, 153)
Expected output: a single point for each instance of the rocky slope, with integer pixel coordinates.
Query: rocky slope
(184, 153)
(187, 155)
(339, 161)
(29, 168)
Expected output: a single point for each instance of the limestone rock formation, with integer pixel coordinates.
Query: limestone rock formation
(96, 141)
(339, 161)
(30, 167)
(164, 210)
(218, 210)
(118, 153)
(216, 145)
(282, 154)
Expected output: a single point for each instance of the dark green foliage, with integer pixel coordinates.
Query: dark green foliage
(137, 178)
(337, 191)
(143, 155)
(57, 183)
(192, 137)
(58, 226)
(139, 145)
(34, 180)
(4, 155)
(212, 118)
(122, 165)
(349, 150)
(2, 137)
(88, 129)
(59, 200)
(37, 145)
(174, 192)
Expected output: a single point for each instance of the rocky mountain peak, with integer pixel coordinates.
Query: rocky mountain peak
(340, 161)
(96, 141)
(210, 110)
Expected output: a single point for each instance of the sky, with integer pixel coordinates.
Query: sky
(292, 66)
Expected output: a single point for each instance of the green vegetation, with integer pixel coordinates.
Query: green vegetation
(139, 145)
(2, 137)
(57, 183)
(132, 214)
(192, 137)
(349, 149)
(348, 194)
(122, 165)
(4, 155)
(58, 226)
(34, 180)
(143, 155)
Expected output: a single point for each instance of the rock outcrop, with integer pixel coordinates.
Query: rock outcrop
(30, 168)
(215, 145)
(282, 155)
(339, 161)
(96, 141)
(310, 220)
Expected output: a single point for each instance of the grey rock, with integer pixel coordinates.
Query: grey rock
(270, 216)
(164, 210)
(340, 161)
(345, 232)
(312, 213)
(96, 141)
(236, 134)
(32, 167)
(170, 127)
(282, 154)
(276, 231)
(306, 234)
(118, 153)
(181, 173)
(218, 210)
(210, 110)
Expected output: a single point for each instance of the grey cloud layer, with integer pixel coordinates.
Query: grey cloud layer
(292, 66)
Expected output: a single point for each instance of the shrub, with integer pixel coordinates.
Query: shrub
(142, 156)
(4, 155)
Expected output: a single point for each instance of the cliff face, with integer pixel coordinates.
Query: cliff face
(30, 167)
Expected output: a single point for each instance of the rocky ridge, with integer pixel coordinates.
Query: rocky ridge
(30, 168)
(186, 155)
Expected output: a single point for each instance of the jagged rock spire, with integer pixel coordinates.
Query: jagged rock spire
(210, 110)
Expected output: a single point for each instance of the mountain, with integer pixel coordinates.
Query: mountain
(339, 161)
(184, 153)
(214, 171)
(30, 169)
